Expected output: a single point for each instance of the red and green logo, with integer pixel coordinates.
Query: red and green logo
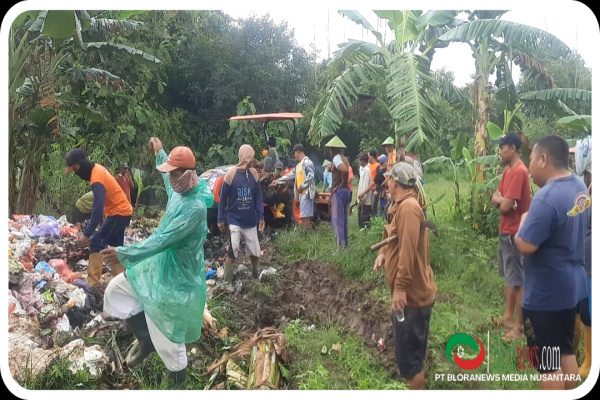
(459, 341)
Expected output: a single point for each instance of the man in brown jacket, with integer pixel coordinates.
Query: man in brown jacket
(408, 273)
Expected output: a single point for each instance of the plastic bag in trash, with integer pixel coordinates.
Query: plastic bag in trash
(14, 307)
(64, 271)
(47, 273)
(44, 268)
(78, 297)
(210, 274)
(62, 221)
(63, 324)
(46, 227)
(82, 358)
(267, 272)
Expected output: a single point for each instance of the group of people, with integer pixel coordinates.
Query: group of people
(544, 252)
(158, 287)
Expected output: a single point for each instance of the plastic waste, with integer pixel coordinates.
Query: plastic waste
(266, 273)
(63, 324)
(211, 273)
(46, 227)
(64, 271)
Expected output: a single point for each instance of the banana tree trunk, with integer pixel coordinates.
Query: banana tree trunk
(481, 135)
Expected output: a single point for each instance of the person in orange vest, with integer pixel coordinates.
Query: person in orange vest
(110, 202)
(304, 185)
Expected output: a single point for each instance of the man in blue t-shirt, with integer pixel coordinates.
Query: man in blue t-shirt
(552, 238)
(241, 209)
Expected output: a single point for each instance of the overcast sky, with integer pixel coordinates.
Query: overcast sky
(572, 22)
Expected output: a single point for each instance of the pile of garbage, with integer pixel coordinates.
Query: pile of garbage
(50, 305)
(53, 312)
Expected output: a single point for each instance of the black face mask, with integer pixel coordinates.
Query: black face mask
(85, 170)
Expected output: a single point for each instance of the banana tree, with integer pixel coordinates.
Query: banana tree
(403, 65)
(495, 44)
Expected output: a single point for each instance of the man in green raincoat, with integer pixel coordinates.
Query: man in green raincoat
(162, 292)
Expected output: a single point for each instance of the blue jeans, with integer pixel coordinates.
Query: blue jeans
(111, 233)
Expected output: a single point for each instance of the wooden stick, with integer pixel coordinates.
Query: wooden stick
(384, 242)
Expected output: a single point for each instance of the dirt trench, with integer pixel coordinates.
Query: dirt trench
(319, 294)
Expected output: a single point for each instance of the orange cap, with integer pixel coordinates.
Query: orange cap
(180, 157)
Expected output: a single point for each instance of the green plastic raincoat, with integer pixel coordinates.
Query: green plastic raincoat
(167, 269)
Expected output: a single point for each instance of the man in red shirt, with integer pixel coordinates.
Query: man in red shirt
(124, 180)
(512, 198)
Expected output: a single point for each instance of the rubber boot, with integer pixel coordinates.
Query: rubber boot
(228, 272)
(584, 370)
(178, 378)
(142, 346)
(255, 262)
(95, 266)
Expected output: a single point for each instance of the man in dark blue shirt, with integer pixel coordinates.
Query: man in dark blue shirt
(552, 238)
(241, 209)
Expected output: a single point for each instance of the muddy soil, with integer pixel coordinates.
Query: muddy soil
(318, 293)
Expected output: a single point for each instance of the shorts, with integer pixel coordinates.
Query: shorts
(550, 335)
(510, 261)
(410, 339)
(250, 238)
(307, 207)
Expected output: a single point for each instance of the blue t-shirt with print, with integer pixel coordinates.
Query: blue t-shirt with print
(555, 278)
(241, 202)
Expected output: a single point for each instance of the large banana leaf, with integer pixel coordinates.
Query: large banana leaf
(59, 24)
(94, 74)
(577, 122)
(507, 93)
(402, 23)
(512, 33)
(24, 17)
(494, 131)
(409, 102)
(563, 94)
(340, 96)
(358, 18)
(16, 61)
(107, 25)
(352, 52)
(532, 68)
(38, 23)
(454, 95)
(435, 18)
(142, 55)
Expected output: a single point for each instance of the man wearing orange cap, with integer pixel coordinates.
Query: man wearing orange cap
(110, 202)
(162, 293)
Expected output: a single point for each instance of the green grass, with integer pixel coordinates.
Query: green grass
(314, 365)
